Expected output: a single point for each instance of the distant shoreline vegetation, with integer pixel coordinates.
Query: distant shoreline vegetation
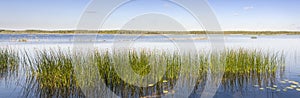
(144, 32)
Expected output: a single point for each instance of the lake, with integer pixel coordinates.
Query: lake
(284, 82)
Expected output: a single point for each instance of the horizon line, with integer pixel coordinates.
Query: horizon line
(23, 30)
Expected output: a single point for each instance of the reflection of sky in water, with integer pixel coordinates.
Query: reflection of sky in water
(287, 43)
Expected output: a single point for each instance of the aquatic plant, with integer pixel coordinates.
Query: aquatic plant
(50, 74)
(8, 63)
(245, 68)
(54, 73)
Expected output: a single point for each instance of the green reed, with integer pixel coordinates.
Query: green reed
(8, 62)
(55, 73)
(254, 67)
(51, 74)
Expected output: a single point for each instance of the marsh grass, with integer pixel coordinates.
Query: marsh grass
(245, 67)
(52, 72)
(8, 63)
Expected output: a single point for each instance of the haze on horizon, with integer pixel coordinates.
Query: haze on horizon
(233, 15)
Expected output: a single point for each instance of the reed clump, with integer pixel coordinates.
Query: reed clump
(54, 70)
(245, 67)
(8, 62)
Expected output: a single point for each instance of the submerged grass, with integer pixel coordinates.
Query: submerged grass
(52, 73)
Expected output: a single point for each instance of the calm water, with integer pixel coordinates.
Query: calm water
(13, 86)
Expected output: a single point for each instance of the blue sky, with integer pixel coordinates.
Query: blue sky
(276, 15)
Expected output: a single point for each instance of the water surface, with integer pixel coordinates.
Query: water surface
(13, 85)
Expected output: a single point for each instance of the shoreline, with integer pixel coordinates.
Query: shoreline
(77, 32)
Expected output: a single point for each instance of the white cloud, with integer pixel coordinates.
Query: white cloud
(248, 8)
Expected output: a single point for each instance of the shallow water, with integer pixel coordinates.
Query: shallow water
(12, 86)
